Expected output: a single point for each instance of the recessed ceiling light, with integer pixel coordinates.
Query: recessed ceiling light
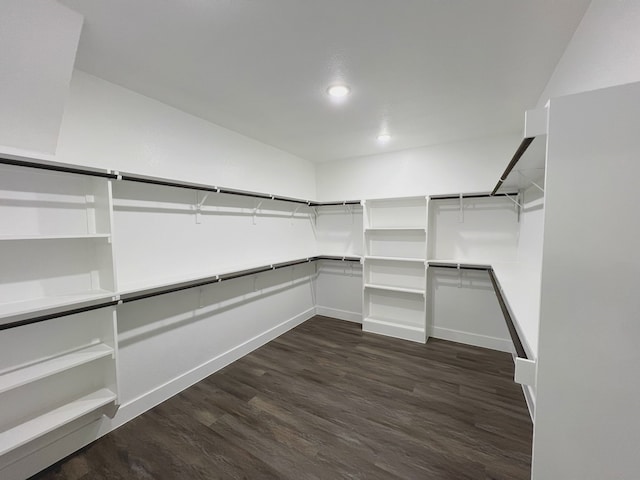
(338, 91)
(384, 137)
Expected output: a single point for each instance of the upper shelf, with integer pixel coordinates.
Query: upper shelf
(48, 164)
(527, 165)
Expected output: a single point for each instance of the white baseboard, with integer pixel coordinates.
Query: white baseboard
(339, 314)
(493, 343)
(392, 330)
(83, 434)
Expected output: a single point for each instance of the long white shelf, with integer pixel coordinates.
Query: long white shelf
(16, 311)
(395, 259)
(395, 229)
(395, 289)
(55, 237)
(521, 285)
(462, 262)
(30, 430)
(50, 366)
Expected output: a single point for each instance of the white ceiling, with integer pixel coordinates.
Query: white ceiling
(431, 71)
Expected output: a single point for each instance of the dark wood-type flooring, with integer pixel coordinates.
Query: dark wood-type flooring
(327, 401)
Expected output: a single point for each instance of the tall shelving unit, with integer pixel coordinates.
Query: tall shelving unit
(56, 254)
(394, 280)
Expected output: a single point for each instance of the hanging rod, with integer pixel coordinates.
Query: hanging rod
(328, 204)
(513, 332)
(338, 258)
(64, 313)
(516, 157)
(132, 177)
(175, 287)
(470, 195)
(460, 266)
(58, 167)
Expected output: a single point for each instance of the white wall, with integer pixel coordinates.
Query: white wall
(604, 50)
(38, 39)
(470, 166)
(462, 307)
(111, 127)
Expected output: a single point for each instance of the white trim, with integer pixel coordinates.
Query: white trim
(346, 315)
(485, 341)
(383, 327)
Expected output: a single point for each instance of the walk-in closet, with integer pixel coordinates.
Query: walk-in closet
(338, 239)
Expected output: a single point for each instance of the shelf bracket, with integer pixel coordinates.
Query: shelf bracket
(293, 214)
(350, 210)
(198, 206)
(513, 200)
(530, 181)
(200, 297)
(255, 211)
(461, 214)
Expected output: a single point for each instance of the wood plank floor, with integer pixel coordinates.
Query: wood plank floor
(327, 401)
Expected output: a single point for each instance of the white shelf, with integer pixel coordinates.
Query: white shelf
(392, 229)
(55, 237)
(30, 430)
(15, 311)
(50, 366)
(521, 285)
(395, 289)
(474, 263)
(395, 259)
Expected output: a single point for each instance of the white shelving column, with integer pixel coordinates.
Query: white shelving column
(56, 254)
(394, 280)
(55, 241)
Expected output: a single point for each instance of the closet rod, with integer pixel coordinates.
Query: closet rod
(462, 266)
(57, 167)
(131, 177)
(328, 204)
(64, 313)
(175, 287)
(515, 338)
(516, 157)
(335, 257)
(513, 332)
(470, 195)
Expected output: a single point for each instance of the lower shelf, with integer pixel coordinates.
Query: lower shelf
(25, 432)
(416, 291)
(392, 328)
(53, 365)
(17, 311)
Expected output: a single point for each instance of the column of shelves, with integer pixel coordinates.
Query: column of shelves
(56, 254)
(394, 281)
(46, 385)
(55, 241)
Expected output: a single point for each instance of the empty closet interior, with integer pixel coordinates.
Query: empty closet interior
(143, 246)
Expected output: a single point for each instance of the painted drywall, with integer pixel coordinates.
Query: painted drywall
(470, 166)
(39, 40)
(463, 308)
(604, 50)
(107, 126)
